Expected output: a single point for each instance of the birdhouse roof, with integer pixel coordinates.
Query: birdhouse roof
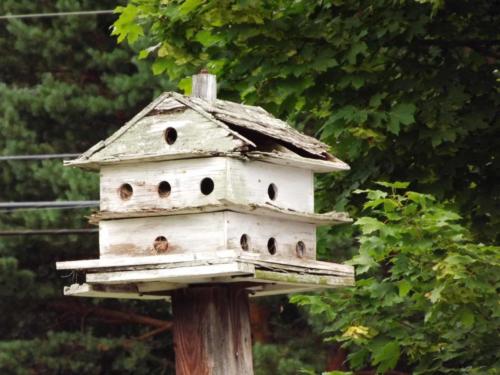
(208, 128)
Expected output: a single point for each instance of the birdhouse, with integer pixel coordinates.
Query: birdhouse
(197, 190)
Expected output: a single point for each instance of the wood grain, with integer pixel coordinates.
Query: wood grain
(212, 333)
(204, 86)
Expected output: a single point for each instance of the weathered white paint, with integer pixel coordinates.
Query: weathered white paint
(218, 121)
(223, 272)
(146, 137)
(248, 183)
(242, 183)
(127, 261)
(115, 291)
(180, 274)
(184, 177)
(278, 158)
(301, 266)
(327, 218)
(204, 86)
(295, 264)
(185, 234)
(109, 291)
(260, 229)
(297, 161)
(204, 232)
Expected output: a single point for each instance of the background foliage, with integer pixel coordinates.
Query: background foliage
(426, 297)
(64, 85)
(401, 90)
(397, 90)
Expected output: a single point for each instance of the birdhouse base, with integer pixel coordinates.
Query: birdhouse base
(155, 277)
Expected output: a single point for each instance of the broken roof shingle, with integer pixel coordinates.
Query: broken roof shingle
(248, 125)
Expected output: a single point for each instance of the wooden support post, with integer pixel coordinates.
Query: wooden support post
(212, 333)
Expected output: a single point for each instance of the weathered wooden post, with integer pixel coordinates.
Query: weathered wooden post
(206, 202)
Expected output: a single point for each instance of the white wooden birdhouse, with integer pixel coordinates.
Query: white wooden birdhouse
(197, 190)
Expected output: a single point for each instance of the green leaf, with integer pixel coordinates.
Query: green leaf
(364, 263)
(404, 287)
(159, 66)
(393, 185)
(143, 54)
(355, 50)
(189, 5)
(357, 359)
(207, 39)
(185, 85)
(369, 224)
(401, 114)
(385, 357)
(126, 25)
(467, 318)
(435, 294)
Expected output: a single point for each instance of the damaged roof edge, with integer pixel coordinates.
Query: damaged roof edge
(240, 121)
(315, 165)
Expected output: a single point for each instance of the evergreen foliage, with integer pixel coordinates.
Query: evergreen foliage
(64, 85)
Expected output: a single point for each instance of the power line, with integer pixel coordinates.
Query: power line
(10, 211)
(43, 232)
(47, 204)
(57, 14)
(37, 157)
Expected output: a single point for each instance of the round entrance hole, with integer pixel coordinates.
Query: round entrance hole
(164, 189)
(300, 249)
(170, 135)
(207, 186)
(271, 246)
(272, 191)
(160, 245)
(125, 191)
(245, 242)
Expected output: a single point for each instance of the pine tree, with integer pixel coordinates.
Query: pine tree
(64, 85)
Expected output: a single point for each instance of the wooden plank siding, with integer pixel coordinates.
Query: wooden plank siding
(245, 183)
(201, 232)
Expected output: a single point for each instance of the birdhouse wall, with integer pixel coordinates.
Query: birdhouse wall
(177, 184)
(207, 232)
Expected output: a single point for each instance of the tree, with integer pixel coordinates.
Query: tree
(426, 298)
(401, 90)
(63, 86)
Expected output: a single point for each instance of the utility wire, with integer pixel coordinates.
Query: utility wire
(37, 157)
(43, 232)
(10, 211)
(47, 204)
(57, 14)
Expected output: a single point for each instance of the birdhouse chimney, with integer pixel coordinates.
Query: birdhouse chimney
(204, 86)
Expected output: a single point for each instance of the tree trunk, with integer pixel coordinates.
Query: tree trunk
(212, 333)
